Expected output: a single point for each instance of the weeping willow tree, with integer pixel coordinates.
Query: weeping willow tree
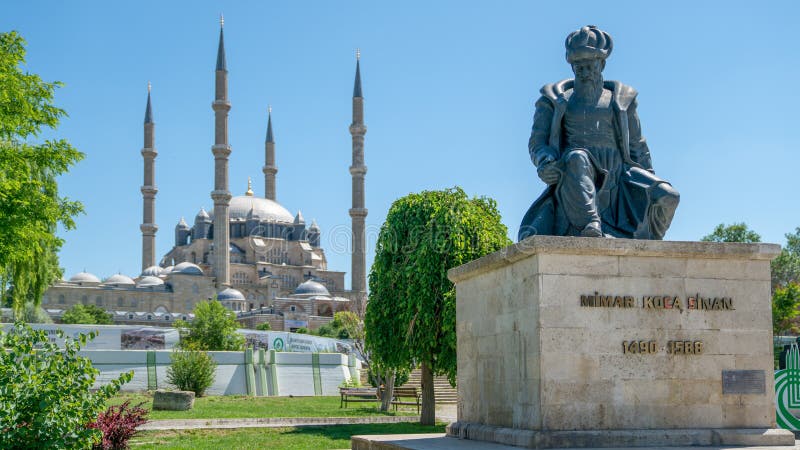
(30, 206)
(411, 315)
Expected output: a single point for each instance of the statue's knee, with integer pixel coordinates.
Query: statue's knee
(667, 196)
(576, 161)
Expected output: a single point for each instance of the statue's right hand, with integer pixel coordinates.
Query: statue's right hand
(549, 173)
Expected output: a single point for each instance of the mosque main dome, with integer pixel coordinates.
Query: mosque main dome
(263, 208)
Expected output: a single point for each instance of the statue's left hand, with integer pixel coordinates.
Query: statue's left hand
(549, 173)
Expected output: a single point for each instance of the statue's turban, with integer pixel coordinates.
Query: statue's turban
(588, 43)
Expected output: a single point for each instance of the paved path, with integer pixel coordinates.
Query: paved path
(269, 422)
(438, 441)
(444, 413)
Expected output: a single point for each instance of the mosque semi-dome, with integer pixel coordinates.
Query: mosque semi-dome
(153, 271)
(311, 287)
(148, 281)
(229, 294)
(119, 280)
(262, 208)
(84, 277)
(187, 268)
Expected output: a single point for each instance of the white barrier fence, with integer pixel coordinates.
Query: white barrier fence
(258, 373)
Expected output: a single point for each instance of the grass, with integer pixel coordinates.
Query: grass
(229, 407)
(290, 438)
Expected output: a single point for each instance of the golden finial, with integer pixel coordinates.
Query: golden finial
(221, 20)
(249, 192)
(358, 54)
(149, 86)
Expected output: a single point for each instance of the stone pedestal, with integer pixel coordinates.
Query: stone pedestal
(582, 342)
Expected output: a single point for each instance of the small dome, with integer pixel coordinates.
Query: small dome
(187, 268)
(202, 216)
(167, 270)
(182, 225)
(149, 281)
(314, 226)
(153, 271)
(229, 294)
(84, 277)
(311, 287)
(298, 219)
(119, 280)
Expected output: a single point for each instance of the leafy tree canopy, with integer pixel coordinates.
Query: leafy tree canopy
(213, 328)
(87, 314)
(411, 313)
(30, 205)
(345, 325)
(736, 232)
(785, 301)
(786, 267)
(47, 399)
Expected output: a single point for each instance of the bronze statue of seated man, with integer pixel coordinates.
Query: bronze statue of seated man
(588, 147)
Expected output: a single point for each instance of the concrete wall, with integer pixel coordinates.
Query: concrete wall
(262, 373)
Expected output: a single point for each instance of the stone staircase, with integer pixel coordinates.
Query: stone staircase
(444, 393)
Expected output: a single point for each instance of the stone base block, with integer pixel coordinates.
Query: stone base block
(173, 400)
(622, 438)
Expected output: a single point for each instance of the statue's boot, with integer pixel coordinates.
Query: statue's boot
(592, 230)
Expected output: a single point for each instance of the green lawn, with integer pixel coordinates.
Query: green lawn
(305, 438)
(227, 407)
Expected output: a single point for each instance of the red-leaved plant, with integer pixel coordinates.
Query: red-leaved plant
(118, 425)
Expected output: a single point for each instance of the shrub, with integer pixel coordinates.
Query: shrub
(192, 370)
(350, 382)
(264, 326)
(118, 425)
(213, 328)
(46, 396)
(87, 314)
(302, 330)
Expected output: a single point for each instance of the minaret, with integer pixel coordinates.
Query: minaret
(270, 169)
(221, 150)
(358, 212)
(149, 189)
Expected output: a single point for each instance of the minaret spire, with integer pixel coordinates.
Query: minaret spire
(221, 149)
(270, 169)
(149, 190)
(358, 212)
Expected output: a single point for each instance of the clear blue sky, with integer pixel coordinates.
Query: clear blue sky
(449, 89)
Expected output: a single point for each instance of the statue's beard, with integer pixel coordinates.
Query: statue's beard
(589, 87)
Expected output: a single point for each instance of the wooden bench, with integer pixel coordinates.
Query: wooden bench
(411, 393)
(358, 395)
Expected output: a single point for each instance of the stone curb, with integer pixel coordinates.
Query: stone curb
(268, 422)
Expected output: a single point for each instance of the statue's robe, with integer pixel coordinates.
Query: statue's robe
(643, 204)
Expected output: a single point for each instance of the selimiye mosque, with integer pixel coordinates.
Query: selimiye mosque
(267, 266)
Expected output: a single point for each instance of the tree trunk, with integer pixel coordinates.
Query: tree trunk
(428, 416)
(388, 391)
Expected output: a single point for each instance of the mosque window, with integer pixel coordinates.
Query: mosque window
(45, 300)
(194, 258)
(149, 317)
(98, 301)
(120, 301)
(240, 278)
(195, 289)
(85, 299)
(134, 303)
(61, 300)
(130, 316)
(167, 318)
(188, 306)
(293, 308)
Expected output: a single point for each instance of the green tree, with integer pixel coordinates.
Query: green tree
(264, 326)
(47, 398)
(736, 232)
(341, 326)
(785, 301)
(213, 328)
(30, 205)
(786, 267)
(87, 314)
(192, 370)
(410, 316)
